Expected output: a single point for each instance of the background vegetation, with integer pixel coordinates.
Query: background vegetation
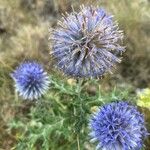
(59, 120)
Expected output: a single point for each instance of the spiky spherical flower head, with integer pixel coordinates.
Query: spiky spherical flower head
(88, 43)
(118, 126)
(31, 81)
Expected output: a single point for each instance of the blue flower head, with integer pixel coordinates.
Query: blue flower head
(31, 81)
(118, 126)
(87, 44)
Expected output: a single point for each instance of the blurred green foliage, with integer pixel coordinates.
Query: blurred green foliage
(60, 119)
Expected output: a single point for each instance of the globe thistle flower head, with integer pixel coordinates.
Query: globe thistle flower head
(118, 126)
(31, 81)
(88, 43)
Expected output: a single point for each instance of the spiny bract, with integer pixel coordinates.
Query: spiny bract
(31, 81)
(86, 44)
(118, 126)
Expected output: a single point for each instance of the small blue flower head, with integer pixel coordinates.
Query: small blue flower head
(118, 126)
(31, 81)
(87, 44)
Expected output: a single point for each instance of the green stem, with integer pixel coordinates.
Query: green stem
(79, 86)
(16, 96)
(78, 142)
(79, 90)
